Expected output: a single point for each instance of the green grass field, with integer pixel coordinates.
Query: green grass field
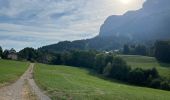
(71, 83)
(147, 62)
(11, 70)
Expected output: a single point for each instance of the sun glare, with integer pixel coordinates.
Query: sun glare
(126, 1)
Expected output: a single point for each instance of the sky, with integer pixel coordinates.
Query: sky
(35, 23)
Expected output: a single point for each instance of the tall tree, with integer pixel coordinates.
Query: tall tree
(5, 54)
(1, 51)
(28, 54)
(140, 50)
(126, 49)
(162, 51)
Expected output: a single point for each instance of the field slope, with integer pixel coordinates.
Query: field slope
(71, 83)
(147, 62)
(11, 70)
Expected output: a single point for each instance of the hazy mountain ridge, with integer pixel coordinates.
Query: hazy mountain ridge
(96, 43)
(149, 22)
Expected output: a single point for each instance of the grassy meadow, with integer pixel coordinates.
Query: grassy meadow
(147, 62)
(71, 83)
(11, 70)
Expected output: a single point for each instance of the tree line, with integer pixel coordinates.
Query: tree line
(108, 65)
(160, 50)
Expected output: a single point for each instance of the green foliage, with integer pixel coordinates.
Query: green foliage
(143, 77)
(119, 69)
(162, 51)
(96, 43)
(5, 54)
(137, 76)
(11, 70)
(1, 51)
(135, 49)
(77, 84)
(154, 73)
(101, 60)
(107, 70)
(83, 58)
(165, 85)
(145, 62)
(126, 49)
(29, 54)
(105, 64)
(155, 83)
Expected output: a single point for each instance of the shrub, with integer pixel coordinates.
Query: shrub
(119, 69)
(165, 85)
(107, 70)
(155, 83)
(137, 76)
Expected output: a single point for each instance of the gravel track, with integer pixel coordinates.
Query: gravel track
(19, 90)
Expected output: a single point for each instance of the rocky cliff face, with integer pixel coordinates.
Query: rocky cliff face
(149, 23)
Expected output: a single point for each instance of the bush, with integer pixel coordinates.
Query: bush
(154, 73)
(99, 63)
(137, 76)
(107, 70)
(165, 85)
(119, 69)
(155, 83)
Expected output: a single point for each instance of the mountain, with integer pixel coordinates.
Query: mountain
(96, 43)
(151, 22)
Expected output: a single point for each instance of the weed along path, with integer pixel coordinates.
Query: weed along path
(24, 88)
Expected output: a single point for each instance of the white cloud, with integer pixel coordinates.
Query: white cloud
(51, 21)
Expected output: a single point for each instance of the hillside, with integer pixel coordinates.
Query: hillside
(148, 23)
(64, 82)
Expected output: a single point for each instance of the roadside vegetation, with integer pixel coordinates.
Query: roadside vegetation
(11, 71)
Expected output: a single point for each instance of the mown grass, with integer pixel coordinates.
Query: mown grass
(11, 71)
(71, 83)
(147, 62)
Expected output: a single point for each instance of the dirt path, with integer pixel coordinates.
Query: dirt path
(23, 89)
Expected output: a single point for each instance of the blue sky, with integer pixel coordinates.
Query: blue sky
(35, 23)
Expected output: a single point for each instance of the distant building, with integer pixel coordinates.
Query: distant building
(12, 54)
(117, 50)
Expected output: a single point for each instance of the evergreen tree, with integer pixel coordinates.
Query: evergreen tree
(126, 49)
(162, 51)
(1, 51)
